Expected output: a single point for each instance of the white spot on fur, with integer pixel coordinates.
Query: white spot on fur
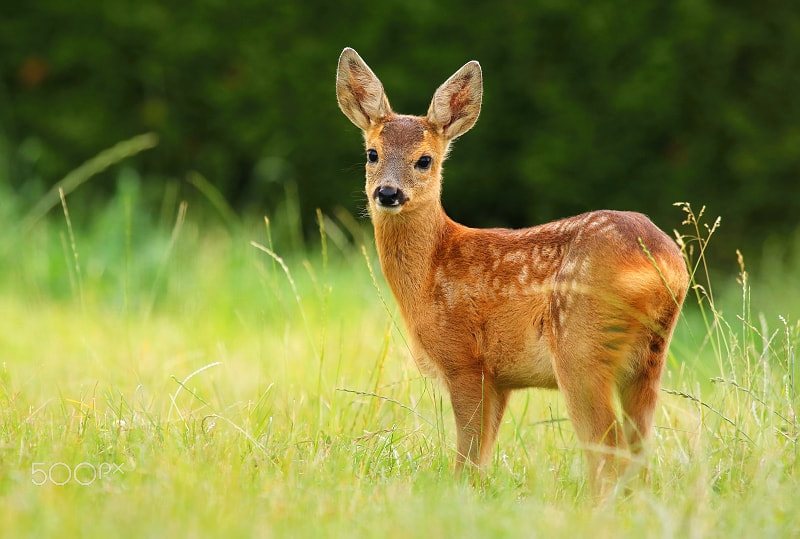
(568, 269)
(515, 257)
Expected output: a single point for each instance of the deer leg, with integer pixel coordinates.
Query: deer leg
(638, 399)
(639, 394)
(478, 407)
(588, 393)
(493, 410)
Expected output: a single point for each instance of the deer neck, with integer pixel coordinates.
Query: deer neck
(406, 244)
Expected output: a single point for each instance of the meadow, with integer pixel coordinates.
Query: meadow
(184, 372)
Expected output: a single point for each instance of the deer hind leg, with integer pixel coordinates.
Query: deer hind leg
(639, 392)
(478, 407)
(589, 395)
(594, 341)
(638, 397)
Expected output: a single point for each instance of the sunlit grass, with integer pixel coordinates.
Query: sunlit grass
(241, 387)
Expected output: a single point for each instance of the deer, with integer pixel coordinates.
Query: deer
(586, 305)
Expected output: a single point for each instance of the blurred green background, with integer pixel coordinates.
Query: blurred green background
(606, 104)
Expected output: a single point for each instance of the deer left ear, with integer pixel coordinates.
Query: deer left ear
(456, 105)
(359, 92)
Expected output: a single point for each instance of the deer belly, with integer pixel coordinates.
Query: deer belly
(532, 366)
(510, 345)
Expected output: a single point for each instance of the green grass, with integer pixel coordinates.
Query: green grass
(253, 390)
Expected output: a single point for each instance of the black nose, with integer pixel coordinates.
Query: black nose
(389, 196)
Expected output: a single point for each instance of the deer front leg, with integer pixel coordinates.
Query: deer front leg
(478, 407)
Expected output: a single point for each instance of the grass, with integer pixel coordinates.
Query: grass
(224, 385)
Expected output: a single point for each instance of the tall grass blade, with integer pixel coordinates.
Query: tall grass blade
(80, 175)
(162, 267)
(216, 199)
(74, 249)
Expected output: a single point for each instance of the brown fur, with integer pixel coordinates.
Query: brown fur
(576, 304)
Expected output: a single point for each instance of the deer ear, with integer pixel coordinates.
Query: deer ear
(359, 92)
(456, 105)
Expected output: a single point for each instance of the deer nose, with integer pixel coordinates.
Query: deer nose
(388, 195)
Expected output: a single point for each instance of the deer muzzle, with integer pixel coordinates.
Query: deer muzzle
(389, 197)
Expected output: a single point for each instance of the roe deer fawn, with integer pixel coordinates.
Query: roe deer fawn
(586, 304)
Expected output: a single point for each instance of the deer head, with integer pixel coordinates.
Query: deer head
(405, 153)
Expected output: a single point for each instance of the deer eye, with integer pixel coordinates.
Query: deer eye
(424, 162)
(372, 156)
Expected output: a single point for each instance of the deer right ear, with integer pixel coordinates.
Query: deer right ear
(359, 92)
(456, 104)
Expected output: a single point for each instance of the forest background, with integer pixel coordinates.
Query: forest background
(611, 104)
